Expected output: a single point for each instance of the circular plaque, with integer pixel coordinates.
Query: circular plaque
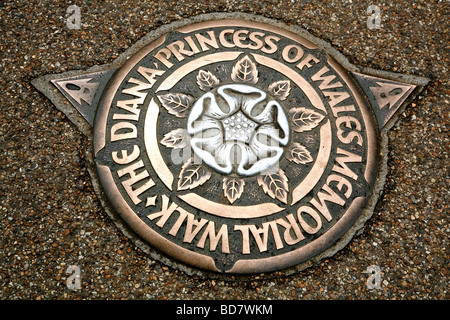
(236, 147)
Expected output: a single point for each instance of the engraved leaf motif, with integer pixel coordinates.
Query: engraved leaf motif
(275, 185)
(305, 119)
(206, 80)
(192, 175)
(299, 154)
(176, 103)
(280, 89)
(233, 188)
(176, 139)
(245, 71)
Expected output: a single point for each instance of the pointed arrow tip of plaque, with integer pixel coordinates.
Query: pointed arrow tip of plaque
(83, 91)
(386, 96)
(78, 89)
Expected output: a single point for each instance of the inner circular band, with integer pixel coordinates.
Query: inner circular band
(264, 209)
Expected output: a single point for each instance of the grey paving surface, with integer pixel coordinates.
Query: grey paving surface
(50, 217)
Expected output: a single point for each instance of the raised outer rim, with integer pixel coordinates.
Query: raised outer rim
(126, 213)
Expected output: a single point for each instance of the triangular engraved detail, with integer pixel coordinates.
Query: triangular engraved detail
(388, 94)
(79, 89)
(83, 91)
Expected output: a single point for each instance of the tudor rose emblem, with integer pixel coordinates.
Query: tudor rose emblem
(235, 146)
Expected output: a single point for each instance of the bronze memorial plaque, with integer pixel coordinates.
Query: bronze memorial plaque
(234, 144)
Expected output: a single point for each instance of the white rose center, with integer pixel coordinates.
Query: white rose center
(238, 129)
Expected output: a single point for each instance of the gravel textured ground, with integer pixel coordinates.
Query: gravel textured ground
(50, 217)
